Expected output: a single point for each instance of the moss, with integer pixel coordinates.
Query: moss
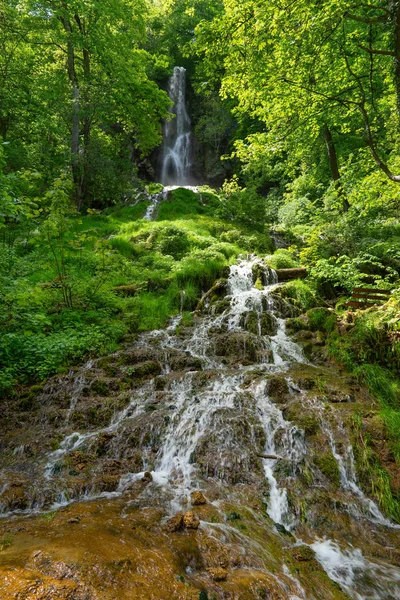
(149, 368)
(294, 325)
(329, 467)
(321, 319)
(100, 388)
(258, 285)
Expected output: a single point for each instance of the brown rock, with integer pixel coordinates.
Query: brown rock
(147, 477)
(218, 574)
(190, 520)
(175, 523)
(197, 498)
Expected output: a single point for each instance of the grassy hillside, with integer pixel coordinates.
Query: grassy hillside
(73, 286)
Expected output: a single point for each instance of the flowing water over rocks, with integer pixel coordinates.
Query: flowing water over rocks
(210, 461)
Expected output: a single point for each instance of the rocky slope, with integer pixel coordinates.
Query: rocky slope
(210, 461)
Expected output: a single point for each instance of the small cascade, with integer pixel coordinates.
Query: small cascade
(177, 144)
(209, 409)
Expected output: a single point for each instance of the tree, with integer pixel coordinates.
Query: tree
(92, 55)
(304, 69)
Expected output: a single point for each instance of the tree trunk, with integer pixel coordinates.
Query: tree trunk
(75, 124)
(395, 14)
(86, 126)
(333, 164)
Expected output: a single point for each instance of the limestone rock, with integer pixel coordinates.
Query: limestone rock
(175, 523)
(190, 520)
(197, 498)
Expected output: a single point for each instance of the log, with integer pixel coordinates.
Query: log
(289, 274)
(269, 456)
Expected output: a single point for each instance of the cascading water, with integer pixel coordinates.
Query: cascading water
(212, 415)
(177, 143)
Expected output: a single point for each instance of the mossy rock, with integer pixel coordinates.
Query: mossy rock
(245, 348)
(220, 306)
(27, 400)
(150, 368)
(328, 466)
(259, 324)
(304, 419)
(100, 388)
(262, 275)
(303, 553)
(138, 355)
(296, 324)
(278, 388)
(214, 294)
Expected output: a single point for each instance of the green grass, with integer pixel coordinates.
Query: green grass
(368, 353)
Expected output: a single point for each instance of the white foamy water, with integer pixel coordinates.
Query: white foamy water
(360, 578)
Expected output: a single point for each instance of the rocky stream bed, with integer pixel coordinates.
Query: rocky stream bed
(215, 461)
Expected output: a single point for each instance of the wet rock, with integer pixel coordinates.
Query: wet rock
(283, 531)
(197, 498)
(305, 420)
(262, 273)
(147, 477)
(175, 523)
(180, 361)
(190, 520)
(15, 497)
(139, 355)
(259, 323)
(106, 483)
(218, 574)
(232, 457)
(74, 521)
(283, 308)
(239, 347)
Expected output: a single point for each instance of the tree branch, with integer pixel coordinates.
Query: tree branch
(367, 20)
(373, 51)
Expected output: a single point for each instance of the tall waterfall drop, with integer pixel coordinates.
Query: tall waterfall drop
(177, 146)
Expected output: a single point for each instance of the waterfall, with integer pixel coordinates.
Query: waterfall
(177, 145)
